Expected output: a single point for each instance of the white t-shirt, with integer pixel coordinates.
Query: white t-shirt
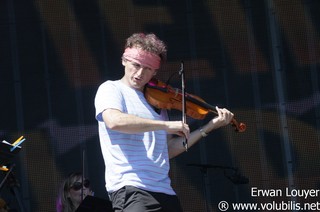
(140, 159)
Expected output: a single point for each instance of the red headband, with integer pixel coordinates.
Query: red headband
(142, 57)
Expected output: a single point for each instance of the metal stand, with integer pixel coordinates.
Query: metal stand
(11, 181)
(6, 177)
(204, 171)
(235, 177)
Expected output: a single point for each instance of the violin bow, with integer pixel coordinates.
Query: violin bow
(183, 91)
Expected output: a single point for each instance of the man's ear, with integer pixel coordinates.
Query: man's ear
(155, 73)
(123, 62)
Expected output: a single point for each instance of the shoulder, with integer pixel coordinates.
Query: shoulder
(109, 84)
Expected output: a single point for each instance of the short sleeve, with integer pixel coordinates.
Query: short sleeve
(108, 96)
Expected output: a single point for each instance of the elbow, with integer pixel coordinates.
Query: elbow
(172, 154)
(110, 120)
(171, 157)
(112, 125)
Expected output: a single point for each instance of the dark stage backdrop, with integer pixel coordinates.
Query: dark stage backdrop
(260, 59)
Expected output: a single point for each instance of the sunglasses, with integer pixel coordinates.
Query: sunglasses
(78, 185)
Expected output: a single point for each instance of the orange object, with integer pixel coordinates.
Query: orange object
(163, 96)
(4, 168)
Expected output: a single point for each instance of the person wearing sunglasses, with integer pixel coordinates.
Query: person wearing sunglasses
(72, 192)
(138, 140)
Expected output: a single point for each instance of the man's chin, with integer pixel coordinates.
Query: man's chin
(137, 85)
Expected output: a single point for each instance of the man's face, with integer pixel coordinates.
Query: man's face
(137, 76)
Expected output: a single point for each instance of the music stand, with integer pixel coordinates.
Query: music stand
(6, 158)
(95, 204)
(7, 154)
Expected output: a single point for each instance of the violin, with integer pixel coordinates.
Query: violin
(163, 96)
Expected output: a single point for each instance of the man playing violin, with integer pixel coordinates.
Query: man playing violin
(136, 141)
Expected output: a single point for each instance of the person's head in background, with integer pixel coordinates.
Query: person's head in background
(72, 192)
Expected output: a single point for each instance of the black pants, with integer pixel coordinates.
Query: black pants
(132, 199)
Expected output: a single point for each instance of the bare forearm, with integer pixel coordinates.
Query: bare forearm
(176, 146)
(127, 123)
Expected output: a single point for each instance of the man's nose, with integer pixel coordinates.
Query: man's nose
(140, 70)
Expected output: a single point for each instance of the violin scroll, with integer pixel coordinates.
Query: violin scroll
(239, 127)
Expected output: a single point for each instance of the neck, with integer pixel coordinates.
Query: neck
(125, 82)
